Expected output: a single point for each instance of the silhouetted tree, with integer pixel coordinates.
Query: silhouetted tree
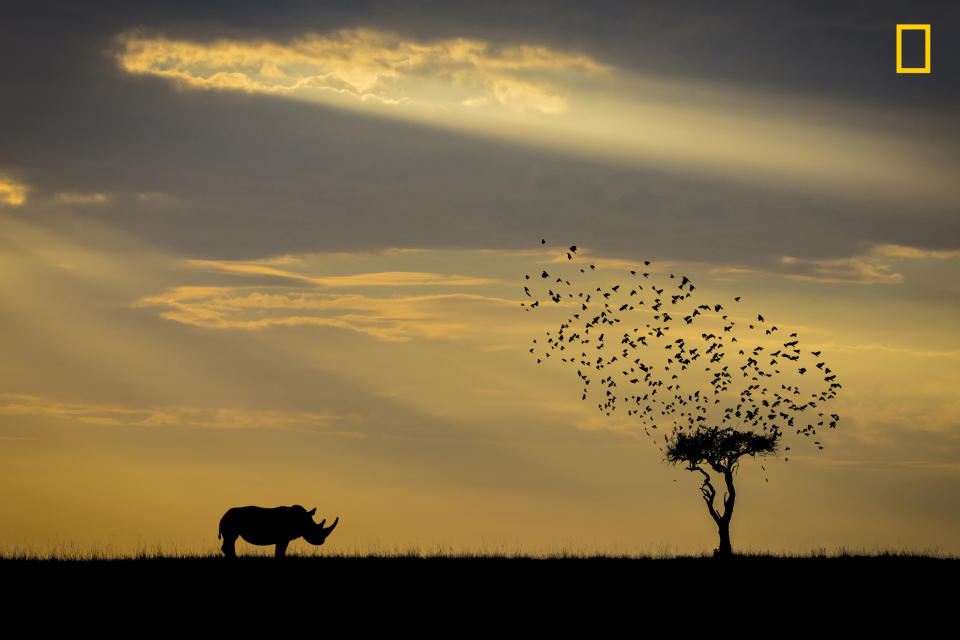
(714, 398)
(721, 450)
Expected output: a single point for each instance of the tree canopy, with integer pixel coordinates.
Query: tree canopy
(719, 448)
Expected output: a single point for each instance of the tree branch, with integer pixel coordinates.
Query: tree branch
(730, 497)
(709, 493)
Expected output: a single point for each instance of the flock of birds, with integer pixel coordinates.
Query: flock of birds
(672, 382)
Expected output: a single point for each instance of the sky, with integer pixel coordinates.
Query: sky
(275, 254)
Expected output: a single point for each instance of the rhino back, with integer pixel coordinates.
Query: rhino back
(259, 525)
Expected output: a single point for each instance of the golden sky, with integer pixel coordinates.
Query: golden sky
(286, 265)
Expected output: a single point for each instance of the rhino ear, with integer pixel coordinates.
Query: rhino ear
(312, 511)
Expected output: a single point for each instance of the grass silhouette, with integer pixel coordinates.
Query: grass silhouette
(68, 552)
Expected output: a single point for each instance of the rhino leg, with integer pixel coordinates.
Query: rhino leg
(228, 546)
(281, 549)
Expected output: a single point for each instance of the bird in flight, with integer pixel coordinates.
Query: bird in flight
(651, 366)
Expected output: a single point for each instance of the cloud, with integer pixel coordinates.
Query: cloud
(732, 273)
(912, 253)
(871, 268)
(380, 279)
(366, 66)
(12, 192)
(68, 197)
(13, 404)
(288, 258)
(398, 318)
(887, 416)
(156, 197)
(899, 351)
(290, 290)
(858, 270)
(875, 266)
(570, 102)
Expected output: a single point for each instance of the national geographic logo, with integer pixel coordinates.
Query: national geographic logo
(925, 32)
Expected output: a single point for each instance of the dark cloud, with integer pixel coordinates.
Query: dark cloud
(819, 47)
(255, 176)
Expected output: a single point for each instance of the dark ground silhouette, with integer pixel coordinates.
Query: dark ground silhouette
(451, 595)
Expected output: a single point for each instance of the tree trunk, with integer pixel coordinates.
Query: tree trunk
(725, 549)
(722, 519)
(723, 523)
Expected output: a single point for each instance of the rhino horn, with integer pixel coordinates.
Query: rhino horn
(330, 528)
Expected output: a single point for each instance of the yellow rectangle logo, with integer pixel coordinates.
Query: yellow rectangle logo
(926, 47)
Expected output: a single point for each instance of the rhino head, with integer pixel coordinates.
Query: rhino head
(317, 533)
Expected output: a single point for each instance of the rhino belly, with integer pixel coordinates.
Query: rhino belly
(263, 537)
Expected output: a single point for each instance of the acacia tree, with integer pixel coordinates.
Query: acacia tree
(721, 450)
(682, 370)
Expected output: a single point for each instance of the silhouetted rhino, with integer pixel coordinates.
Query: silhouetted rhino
(278, 526)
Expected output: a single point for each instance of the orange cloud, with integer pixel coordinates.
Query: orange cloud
(12, 192)
(380, 279)
(68, 197)
(913, 253)
(13, 404)
(367, 66)
(398, 318)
